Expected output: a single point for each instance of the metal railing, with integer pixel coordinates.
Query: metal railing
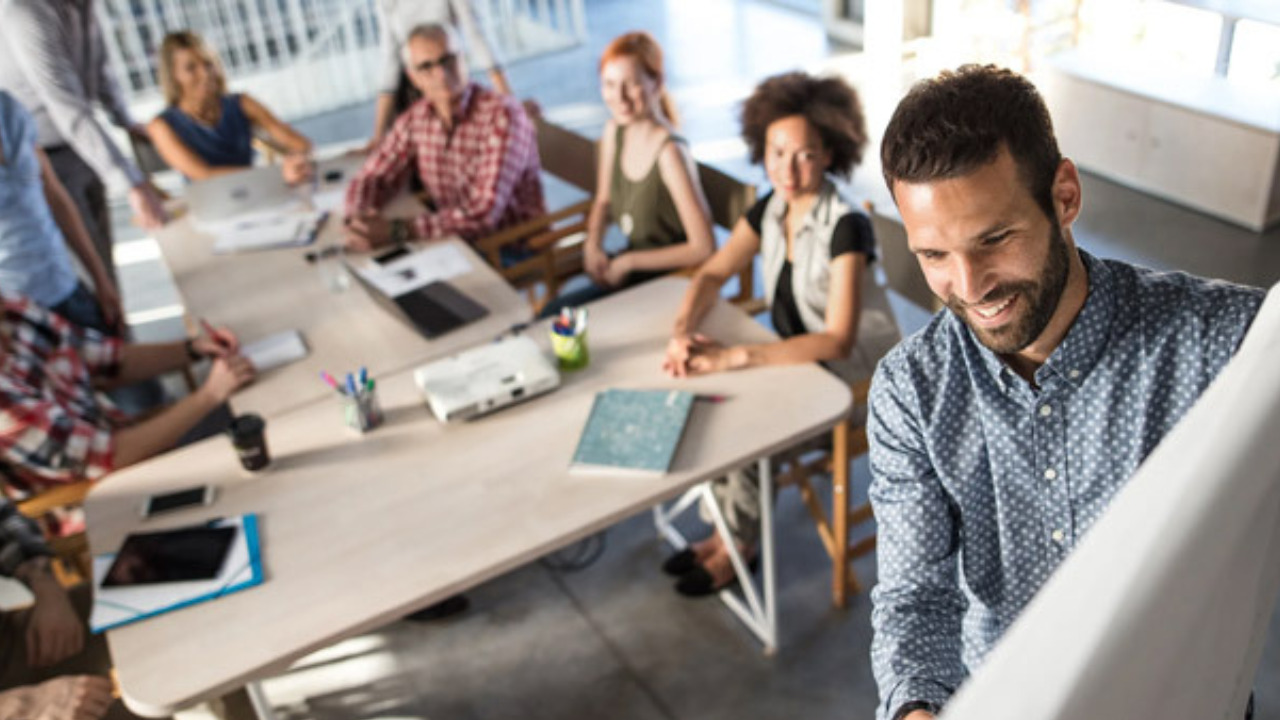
(303, 57)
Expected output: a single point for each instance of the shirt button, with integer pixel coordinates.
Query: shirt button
(1045, 411)
(1050, 474)
(1074, 374)
(1058, 535)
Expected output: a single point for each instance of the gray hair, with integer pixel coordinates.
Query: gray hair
(439, 32)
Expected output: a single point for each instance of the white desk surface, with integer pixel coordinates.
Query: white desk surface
(260, 293)
(358, 531)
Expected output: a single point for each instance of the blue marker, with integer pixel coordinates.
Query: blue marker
(351, 384)
(364, 376)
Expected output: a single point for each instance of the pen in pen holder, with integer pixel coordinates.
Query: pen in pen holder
(569, 339)
(360, 408)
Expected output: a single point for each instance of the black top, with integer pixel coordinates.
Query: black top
(852, 233)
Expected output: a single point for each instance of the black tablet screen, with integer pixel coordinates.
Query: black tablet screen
(170, 556)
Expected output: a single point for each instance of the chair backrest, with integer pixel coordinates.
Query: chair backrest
(567, 155)
(728, 197)
(900, 266)
(147, 157)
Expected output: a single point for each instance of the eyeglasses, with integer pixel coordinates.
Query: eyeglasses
(444, 62)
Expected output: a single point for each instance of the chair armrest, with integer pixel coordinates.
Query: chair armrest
(61, 496)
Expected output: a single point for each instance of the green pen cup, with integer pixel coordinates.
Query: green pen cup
(570, 350)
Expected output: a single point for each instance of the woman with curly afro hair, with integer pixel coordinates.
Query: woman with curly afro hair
(816, 249)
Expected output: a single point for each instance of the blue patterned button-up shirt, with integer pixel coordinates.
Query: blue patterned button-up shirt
(982, 484)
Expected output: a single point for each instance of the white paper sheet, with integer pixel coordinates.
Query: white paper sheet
(284, 226)
(275, 350)
(118, 605)
(415, 270)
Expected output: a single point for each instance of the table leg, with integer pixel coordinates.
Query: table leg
(759, 616)
(247, 703)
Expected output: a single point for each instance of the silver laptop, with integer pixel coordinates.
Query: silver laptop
(486, 378)
(258, 188)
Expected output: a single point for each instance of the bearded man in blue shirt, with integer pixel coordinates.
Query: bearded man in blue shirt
(1002, 431)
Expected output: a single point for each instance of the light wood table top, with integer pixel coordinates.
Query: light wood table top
(359, 531)
(260, 293)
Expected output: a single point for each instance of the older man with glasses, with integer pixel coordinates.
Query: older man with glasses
(474, 149)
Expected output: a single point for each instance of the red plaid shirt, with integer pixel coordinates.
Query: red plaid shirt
(482, 175)
(54, 427)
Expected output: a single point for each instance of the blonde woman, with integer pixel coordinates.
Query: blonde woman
(207, 132)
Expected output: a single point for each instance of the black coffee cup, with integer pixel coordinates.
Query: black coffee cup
(249, 438)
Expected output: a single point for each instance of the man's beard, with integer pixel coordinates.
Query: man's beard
(1041, 298)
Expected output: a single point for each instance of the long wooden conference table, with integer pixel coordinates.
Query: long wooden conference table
(359, 530)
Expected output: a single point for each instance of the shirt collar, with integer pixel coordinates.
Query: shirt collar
(461, 106)
(1084, 342)
(818, 213)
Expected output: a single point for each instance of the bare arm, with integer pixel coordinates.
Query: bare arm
(281, 134)
(679, 174)
(598, 219)
(843, 309)
(499, 80)
(740, 249)
(179, 156)
(69, 221)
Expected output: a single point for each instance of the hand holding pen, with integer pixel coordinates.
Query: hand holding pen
(216, 342)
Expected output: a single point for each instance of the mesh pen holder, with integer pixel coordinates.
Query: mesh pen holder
(362, 412)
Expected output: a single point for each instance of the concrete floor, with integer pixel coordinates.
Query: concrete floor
(613, 640)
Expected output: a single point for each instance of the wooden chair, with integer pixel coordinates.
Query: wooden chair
(900, 266)
(553, 243)
(72, 563)
(729, 199)
(848, 441)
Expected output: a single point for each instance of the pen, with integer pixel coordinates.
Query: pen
(214, 335)
(364, 376)
(324, 375)
(351, 384)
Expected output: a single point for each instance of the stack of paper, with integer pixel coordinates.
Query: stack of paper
(415, 270)
(265, 229)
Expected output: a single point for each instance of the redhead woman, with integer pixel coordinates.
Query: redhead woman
(205, 131)
(647, 182)
(816, 249)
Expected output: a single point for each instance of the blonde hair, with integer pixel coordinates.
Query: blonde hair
(185, 40)
(647, 53)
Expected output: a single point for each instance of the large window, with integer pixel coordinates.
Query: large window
(1238, 39)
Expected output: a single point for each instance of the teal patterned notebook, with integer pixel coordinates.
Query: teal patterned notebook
(632, 431)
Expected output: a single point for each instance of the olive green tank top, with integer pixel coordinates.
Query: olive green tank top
(643, 209)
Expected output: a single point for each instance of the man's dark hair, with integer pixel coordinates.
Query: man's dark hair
(828, 103)
(951, 125)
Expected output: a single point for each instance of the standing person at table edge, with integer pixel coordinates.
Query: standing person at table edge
(646, 180)
(823, 296)
(397, 91)
(55, 427)
(1002, 431)
(38, 223)
(206, 131)
(53, 60)
(475, 151)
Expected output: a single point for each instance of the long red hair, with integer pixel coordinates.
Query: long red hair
(646, 51)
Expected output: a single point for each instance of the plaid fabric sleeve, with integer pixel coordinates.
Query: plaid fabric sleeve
(51, 444)
(500, 160)
(20, 539)
(100, 353)
(387, 168)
